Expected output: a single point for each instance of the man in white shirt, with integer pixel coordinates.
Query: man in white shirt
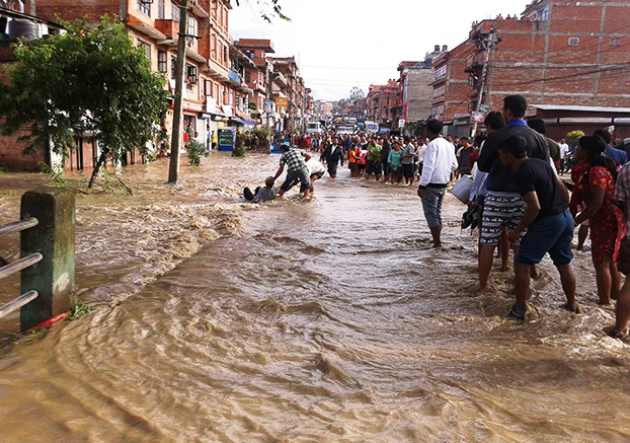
(564, 150)
(439, 162)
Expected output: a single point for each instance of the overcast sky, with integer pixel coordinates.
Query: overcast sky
(339, 44)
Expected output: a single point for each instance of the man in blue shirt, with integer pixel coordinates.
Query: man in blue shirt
(617, 154)
(504, 206)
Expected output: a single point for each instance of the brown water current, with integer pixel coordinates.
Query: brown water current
(329, 320)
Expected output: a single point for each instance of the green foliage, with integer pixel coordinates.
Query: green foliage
(78, 309)
(415, 128)
(239, 146)
(195, 152)
(261, 133)
(57, 177)
(88, 81)
(276, 9)
(573, 137)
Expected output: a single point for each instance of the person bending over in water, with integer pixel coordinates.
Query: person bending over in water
(261, 194)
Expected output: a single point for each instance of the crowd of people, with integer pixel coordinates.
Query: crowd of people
(523, 203)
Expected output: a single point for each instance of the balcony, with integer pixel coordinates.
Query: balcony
(234, 76)
(169, 28)
(475, 61)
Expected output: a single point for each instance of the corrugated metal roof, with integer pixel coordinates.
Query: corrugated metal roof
(580, 108)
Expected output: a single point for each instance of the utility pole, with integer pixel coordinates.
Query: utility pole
(489, 45)
(178, 116)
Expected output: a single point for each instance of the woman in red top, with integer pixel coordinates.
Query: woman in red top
(594, 191)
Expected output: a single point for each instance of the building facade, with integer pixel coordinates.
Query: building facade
(560, 53)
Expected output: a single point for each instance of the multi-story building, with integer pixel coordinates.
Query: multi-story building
(16, 24)
(450, 89)
(416, 90)
(380, 100)
(277, 87)
(567, 54)
(214, 93)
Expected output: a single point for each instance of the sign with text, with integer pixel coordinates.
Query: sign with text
(477, 117)
(282, 101)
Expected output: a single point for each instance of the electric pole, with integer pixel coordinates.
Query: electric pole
(178, 116)
(489, 45)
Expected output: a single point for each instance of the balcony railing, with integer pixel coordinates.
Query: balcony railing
(233, 75)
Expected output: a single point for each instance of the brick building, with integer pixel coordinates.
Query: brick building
(451, 89)
(562, 53)
(279, 91)
(380, 101)
(13, 25)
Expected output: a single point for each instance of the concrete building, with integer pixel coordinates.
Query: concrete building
(416, 90)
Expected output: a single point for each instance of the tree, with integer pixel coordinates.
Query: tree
(90, 82)
(356, 94)
(267, 16)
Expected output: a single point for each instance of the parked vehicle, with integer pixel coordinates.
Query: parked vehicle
(345, 130)
(314, 128)
(371, 127)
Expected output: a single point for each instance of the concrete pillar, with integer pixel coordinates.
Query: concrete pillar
(53, 237)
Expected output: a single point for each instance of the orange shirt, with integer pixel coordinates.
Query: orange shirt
(352, 156)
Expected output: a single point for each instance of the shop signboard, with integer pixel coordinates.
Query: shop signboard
(227, 138)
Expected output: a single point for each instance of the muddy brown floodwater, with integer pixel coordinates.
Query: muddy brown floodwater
(330, 320)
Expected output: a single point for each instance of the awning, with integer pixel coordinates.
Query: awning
(244, 122)
(227, 110)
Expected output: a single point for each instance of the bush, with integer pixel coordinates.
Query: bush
(195, 152)
(573, 137)
(239, 146)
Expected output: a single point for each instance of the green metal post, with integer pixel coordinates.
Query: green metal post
(53, 237)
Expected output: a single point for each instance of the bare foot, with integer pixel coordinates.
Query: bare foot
(481, 290)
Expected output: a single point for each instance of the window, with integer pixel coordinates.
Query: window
(574, 41)
(146, 47)
(175, 12)
(543, 13)
(144, 7)
(248, 76)
(173, 67)
(191, 26)
(192, 74)
(161, 9)
(615, 42)
(225, 55)
(213, 53)
(162, 61)
(207, 87)
(440, 72)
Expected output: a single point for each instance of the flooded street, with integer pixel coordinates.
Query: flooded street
(330, 320)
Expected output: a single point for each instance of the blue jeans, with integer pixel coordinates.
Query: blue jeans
(432, 205)
(551, 234)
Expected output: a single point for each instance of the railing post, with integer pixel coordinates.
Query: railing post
(53, 237)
